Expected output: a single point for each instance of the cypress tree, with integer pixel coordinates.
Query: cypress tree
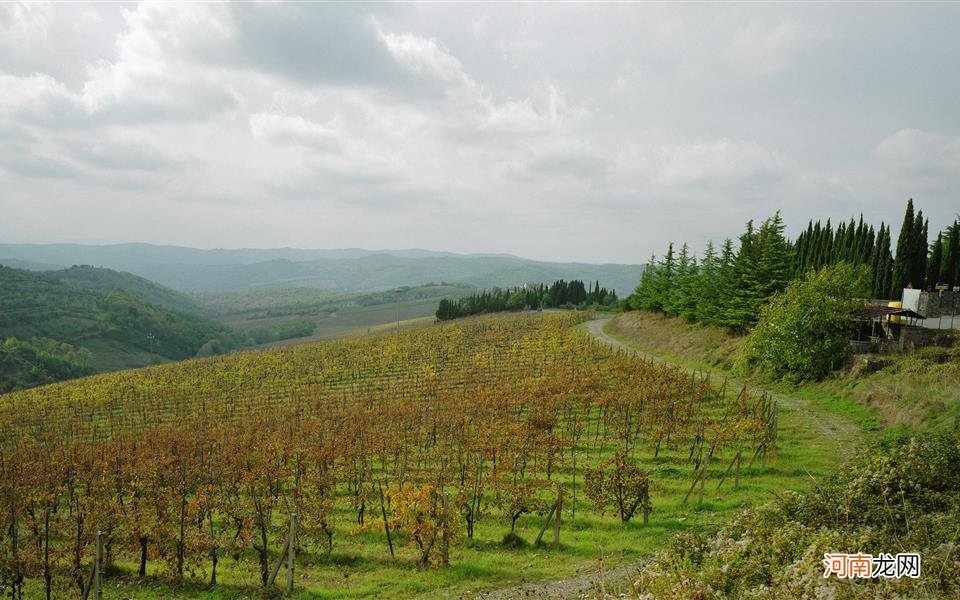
(905, 260)
(950, 265)
(935, 262)
(886, 263)
(868, 243)
(825, 251)
(816, 252)
(849, 253)
(920, 252)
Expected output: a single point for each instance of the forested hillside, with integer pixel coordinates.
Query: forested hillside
(105, 281)
(56, 318)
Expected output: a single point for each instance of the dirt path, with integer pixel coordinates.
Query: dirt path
(593, 584)
(843, 432)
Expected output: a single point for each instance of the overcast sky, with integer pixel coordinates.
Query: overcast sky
(572, 132)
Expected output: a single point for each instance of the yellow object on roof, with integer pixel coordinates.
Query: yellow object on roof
(894, 304)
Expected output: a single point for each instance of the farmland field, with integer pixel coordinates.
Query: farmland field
(193, 468)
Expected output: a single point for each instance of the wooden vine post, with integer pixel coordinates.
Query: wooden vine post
(554, 516)
(445, 534)
(386, 524)
(291, 552)
(557, 519)
(95, 580)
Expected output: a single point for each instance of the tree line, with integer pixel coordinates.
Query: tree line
(560, 294)
(727, 287)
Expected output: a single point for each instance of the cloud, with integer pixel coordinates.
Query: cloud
(338, 44)
(124, 155)
(767, 49)
(721, 162)
(920, 153)
(284, 129)
(36, 165)
(37, 98)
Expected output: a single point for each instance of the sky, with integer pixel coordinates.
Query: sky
(587, 132)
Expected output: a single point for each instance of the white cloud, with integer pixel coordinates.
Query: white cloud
(25, 23)
(768, 48)
(35, 95)
(279, 128)
(725, 162)
(423, 55)
(921, 152)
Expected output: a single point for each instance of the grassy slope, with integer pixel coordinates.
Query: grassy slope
(334, 315)
(279, 301)
(919, 389)
(359, 566)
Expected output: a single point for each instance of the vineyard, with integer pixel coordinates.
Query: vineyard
(416, 452)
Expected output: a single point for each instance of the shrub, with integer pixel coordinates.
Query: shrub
(619, 483)
(804, 332)
(901, 494)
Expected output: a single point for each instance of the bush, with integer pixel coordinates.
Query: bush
(901, 494)
(619, 483)
(804, 332)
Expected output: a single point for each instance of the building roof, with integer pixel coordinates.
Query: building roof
(871, 311)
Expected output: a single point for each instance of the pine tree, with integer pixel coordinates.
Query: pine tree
(664, 279)
(644, 296)
(683, 301)
(707, 290)
(725, 284)
(745, 295)
(774, 258)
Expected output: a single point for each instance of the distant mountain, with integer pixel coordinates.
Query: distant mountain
(30, 265)
(117, 328)
(120, 256)
(346, 270)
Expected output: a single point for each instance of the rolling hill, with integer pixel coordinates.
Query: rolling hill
(346, 270)
(105, 281)
(119, 329)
